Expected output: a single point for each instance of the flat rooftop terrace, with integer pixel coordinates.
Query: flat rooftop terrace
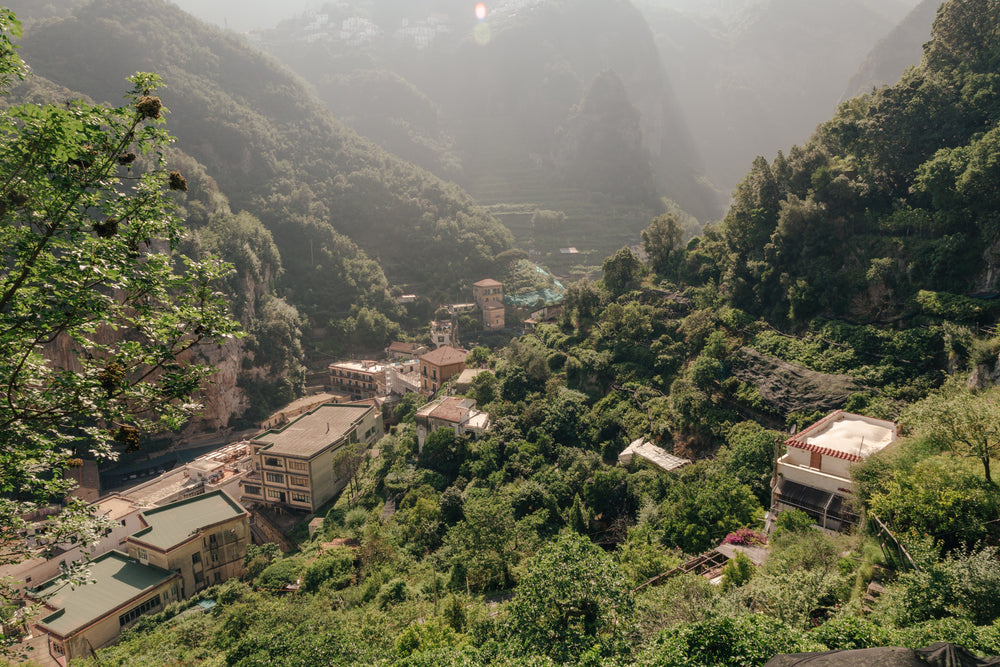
(847, 434)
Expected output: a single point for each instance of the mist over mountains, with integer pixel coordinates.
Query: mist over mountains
(737, 79)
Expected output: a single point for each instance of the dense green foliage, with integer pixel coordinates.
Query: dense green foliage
(886, 199)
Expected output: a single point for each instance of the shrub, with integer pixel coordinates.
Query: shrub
(279, 574)
(336, 567)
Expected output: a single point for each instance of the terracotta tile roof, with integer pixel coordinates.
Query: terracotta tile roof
(488, 282)
(444, 356)
(452, 410)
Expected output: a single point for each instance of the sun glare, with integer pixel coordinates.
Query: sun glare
(480, 11)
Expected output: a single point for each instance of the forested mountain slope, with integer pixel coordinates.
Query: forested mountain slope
(254, 374)
(891, 208)
(278, 154)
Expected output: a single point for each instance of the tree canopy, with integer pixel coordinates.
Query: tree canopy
(101, 319)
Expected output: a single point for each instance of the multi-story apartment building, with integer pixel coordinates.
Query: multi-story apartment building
(359, 379)
(204, 538)
(294, 466)
(177, 550)
(80, 619)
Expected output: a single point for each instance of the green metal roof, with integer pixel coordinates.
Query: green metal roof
(172, 524)
(118, 579)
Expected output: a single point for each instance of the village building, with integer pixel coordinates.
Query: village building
(294, 465)
(219, 469)
(204, 539)
(487, 292)
(80, 619)
(443, 333)
(645, 450)
(814, 474)
(460, 308)
(358, 379)
(400, 351)
(458, 414)
(403, 376)
(494, 316)
(488, 295)
(439, 366)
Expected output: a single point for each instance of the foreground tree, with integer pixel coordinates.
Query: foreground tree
(100, 318)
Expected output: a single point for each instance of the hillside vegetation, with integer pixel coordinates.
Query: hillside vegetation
(848, 274)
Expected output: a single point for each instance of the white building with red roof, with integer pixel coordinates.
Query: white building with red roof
(814, 475)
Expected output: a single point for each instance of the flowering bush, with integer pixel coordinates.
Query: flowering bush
(746, 537)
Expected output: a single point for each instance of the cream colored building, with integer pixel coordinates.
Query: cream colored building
(814, 474)
(81, 619)
(294, 466)
(203, 538)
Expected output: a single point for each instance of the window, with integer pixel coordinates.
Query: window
(272, 461)
(298, 481)
(212, 539)
(271, 493)
(297, 465)
(275, 478)
(251, 489)
(217, 577)
(300, 497)
(142, 554)
(195, 557)
(136, 612)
